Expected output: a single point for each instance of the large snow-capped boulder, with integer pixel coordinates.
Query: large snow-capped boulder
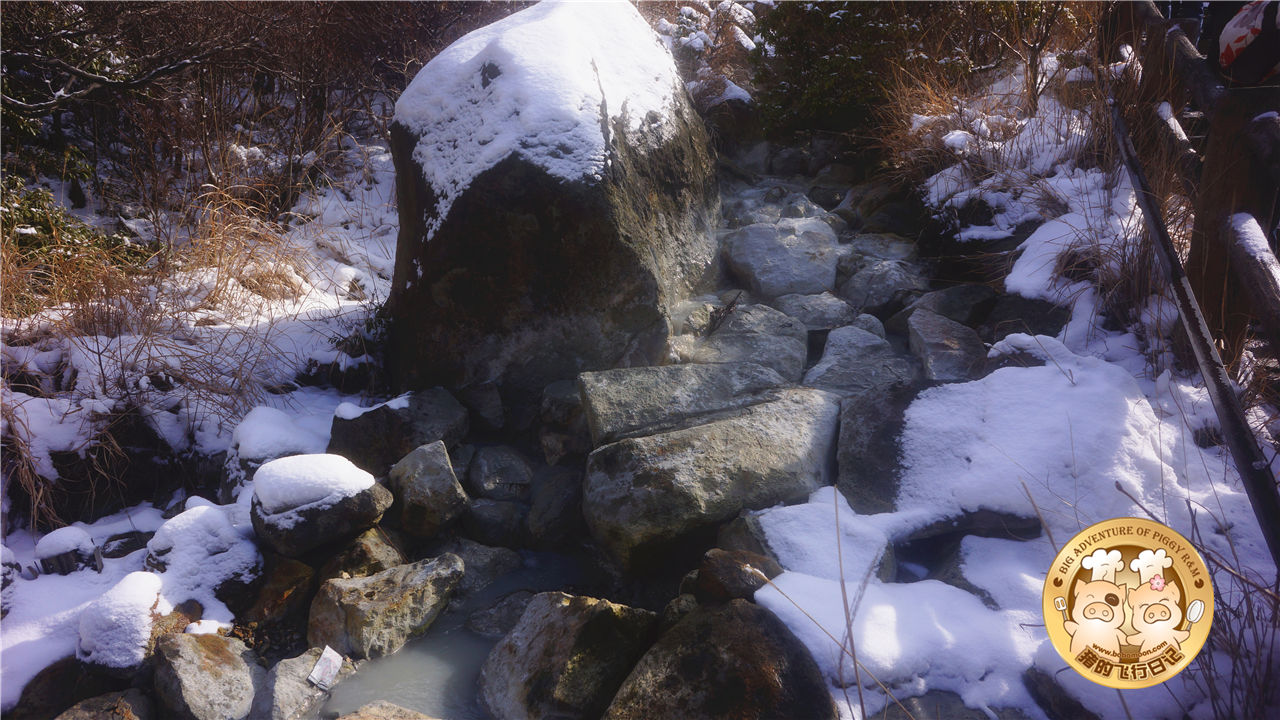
(556, 193)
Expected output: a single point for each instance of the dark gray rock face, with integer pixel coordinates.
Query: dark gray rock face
(565, 658)
(752, 333)
(379, 438)
(883, 287)
(855, 361)
(949, 351)
(735, 660)
(868, 458)
(500, 473)
(529, 276)
(206, 677)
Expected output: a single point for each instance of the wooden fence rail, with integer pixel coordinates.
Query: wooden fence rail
(1236, 168)
(1230, 278)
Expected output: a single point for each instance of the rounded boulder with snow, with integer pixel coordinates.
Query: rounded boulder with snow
(305, 501)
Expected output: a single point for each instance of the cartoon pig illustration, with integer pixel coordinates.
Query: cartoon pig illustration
(1156, 615)
(1097, 616)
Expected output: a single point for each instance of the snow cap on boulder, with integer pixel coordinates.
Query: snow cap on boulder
(557, 193)
(542, 74)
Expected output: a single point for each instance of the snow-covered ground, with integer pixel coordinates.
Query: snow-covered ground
(1092, 434)
(344, 239)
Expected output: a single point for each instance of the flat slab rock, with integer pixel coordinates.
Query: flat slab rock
(376, 615)
(565, 658)
(773, 261)
(643, 497)
(735, 660)
(628, 401)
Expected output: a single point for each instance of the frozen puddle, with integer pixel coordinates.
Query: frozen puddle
(437, 674)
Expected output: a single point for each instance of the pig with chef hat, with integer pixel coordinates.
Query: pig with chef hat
(1156, 604)
(1098, 612)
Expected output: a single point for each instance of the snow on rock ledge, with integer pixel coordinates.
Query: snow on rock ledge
(556, 193)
